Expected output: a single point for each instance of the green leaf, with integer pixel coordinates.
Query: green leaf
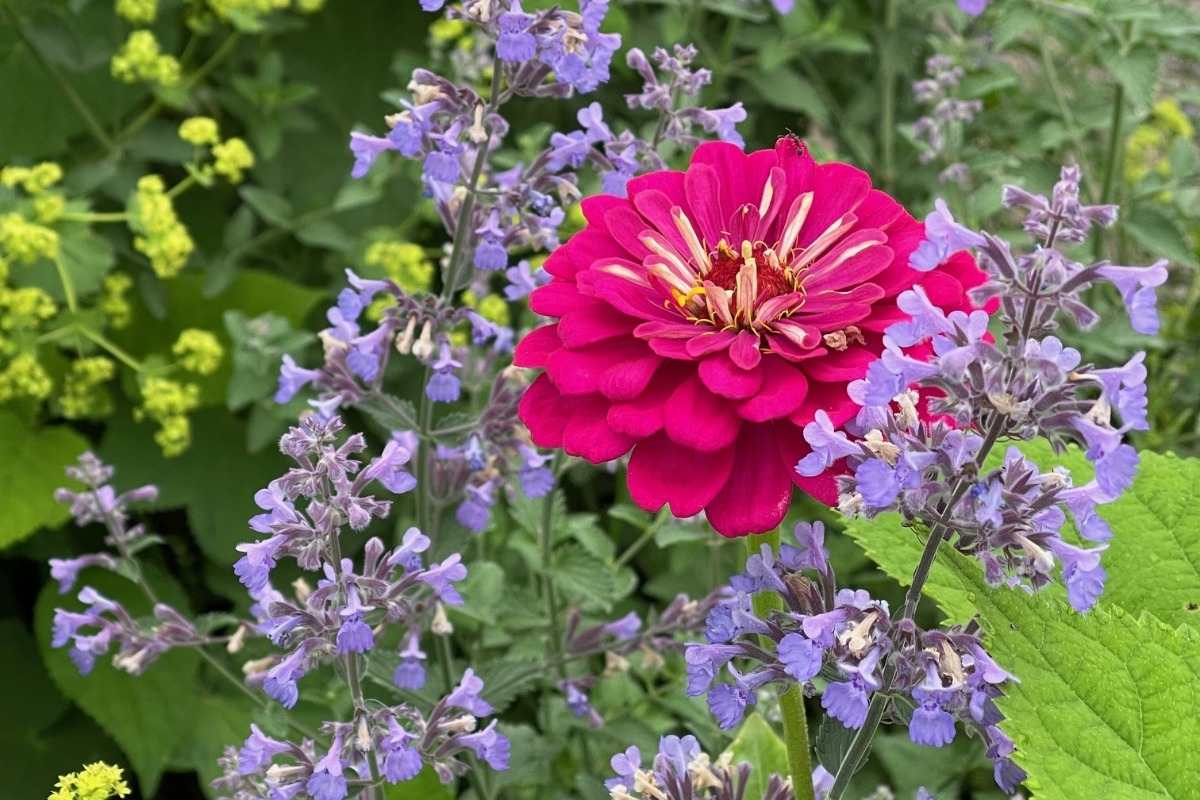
(218, 506)
(1136, 71)
(31, 468)
(425, 786)
(1160, 235)
(271, 207)
(762, 748)
(225, 720)
(581, 575)
(147, 715)
(785, 89)
(481, 591)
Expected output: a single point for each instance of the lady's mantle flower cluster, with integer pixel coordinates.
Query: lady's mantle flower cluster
(939, 677)
(106, 623)
(681, 771)
(1009, 517)
(98, 781)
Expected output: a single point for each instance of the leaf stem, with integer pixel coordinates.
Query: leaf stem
(887, 103)
(1115, 141)
(791, 700)
(77, 102)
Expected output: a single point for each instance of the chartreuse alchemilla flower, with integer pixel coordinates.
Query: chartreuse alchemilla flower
(200, 131)
(231, 158)
(26, 241)
(198, 351)
(139, 12)
(163, 238)
(25, 377)
(167, 403)
(113, 303)
(34, 180)
(83, 395)
(141, 59)
(97, 781)
(405, 263)
(1146, 149)
(26, 308)
(245, 10)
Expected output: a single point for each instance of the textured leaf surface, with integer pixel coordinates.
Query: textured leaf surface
(1106, 703)
(31, 468)
(759, 745)
(150, 715)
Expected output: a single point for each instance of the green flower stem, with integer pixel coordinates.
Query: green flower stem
(113, 350)
(181, 187)
(887, 100)
(549, 592)
(81, 108)
(791, 701)
(462, 234)
(87, 216)
(195, 77)
(68, 286)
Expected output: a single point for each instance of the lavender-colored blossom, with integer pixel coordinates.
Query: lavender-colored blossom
(931, 725)
(366, 149)
(943, 238)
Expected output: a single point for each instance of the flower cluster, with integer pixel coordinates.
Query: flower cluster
(939, 677)
(340, 619)
(160, 236)
(706, 318)
(681, 771)
(941, 130)
(619, 157)
(622, 637)
(979, 393)
(98, 781)
(393, 742)
(141, 59)
(106, 623)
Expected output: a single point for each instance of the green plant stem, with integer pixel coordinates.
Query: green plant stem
(1060, 97)
(462, 229)
(549, 592)
(112, 349)
(114, 216)
(887, 100)
(641, 541)
(791, 701)
(1112, 158)
(880, 699)
(195, 77)
(181, 187)
(81, 108)
(68, 286)
(424, 427)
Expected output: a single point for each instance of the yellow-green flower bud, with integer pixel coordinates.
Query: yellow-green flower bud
(25, 377)
(493, 308)
(139, 12)
(34, 180)
(198, 351)
(165, 241)
(26, 241)
(167, 403)
(97, 781)
(231, 158)
(112, 303)
(26, 308)
(83, 396)
(199, 131)
(403, 262)
(141, 59)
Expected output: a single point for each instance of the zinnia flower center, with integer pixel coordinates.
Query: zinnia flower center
(772, 277)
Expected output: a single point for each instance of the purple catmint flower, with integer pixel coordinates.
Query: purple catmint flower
(1136, 285)
(443, 387)
(258, 750)
(522, 280)
(410, 672)
(389, 470)
(466, 695)
(66, 571)
(327, 781)
(489, 746)
(401, 762)
(801, 658)
(811, 553)
(626, 765)
(847, 701)
(515, 42)
(490, 255)
(728, 702)
(366, 149)
(944, 237)
(536, 478)
(828, 445)
(441, 167)
(973, 8)
(931, 724)
(354, 635)
(473, 513)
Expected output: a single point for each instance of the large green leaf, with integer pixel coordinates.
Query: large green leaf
(759, 745)
(218, 506)
(31, 468)
(1105, 703)
(147, 715)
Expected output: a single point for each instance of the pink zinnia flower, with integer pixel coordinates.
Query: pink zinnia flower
(705, 319)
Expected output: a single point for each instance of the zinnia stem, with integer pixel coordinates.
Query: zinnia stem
(791, 701)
